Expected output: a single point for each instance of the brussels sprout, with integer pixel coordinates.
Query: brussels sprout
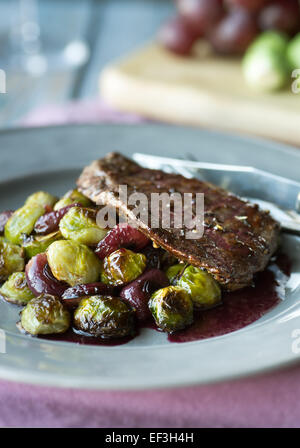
(11, 259)
(79, 225)
(172, 308)
(270, 40)
(22, 221)
(265, 66)
(73, 263)
(104, 316)
(45, 315)
(293, 52)
(72, 197)
(204, 291)
(34, 245)
(40, 198)
(15, 289)
(122, 266)
(173, 272)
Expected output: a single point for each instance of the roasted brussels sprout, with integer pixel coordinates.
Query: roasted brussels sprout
(122, 266)
(264, 65)
(79, 225)
(11, 259)
(172, 308)
(204, 291)
(41, 198)
(104, 316)
(45, 315)
(72, 197)
(73, 263)
(23, 220)
(173, 272)
(34, 245)
(15, 289)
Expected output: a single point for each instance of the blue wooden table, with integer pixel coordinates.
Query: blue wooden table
(111, 28)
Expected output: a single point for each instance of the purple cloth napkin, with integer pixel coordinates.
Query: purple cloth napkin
(269, 400)
(264, 401)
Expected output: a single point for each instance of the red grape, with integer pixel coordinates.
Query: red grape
(200, 15)
(234, 33)
(138, 293)
(176, 36)
(40, 279)
(122, 235)
(73, 295)
(250, 5)
(281, 15)
(49, 222)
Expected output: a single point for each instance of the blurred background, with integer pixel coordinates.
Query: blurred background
(225, 64)
(78, 36)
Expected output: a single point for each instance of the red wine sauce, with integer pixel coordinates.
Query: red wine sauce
(238, 309)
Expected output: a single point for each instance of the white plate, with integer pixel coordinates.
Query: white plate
(51, 159)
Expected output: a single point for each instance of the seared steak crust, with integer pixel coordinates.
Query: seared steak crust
(238, 239)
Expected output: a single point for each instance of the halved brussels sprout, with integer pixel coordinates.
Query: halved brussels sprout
(79, 225)
(15, 289)
(172, 308)
(45, 315)
(204, 291)
(122, 266)
(104, 316)
(34, 245)
(11, 259)
(72, 197)
(22, 221)
(73, 263)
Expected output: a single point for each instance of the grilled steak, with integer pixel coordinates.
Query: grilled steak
(238, 238)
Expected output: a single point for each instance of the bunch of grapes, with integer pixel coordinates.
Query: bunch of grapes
(229, 25)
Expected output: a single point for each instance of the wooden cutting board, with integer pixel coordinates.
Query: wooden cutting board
(204, 90)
